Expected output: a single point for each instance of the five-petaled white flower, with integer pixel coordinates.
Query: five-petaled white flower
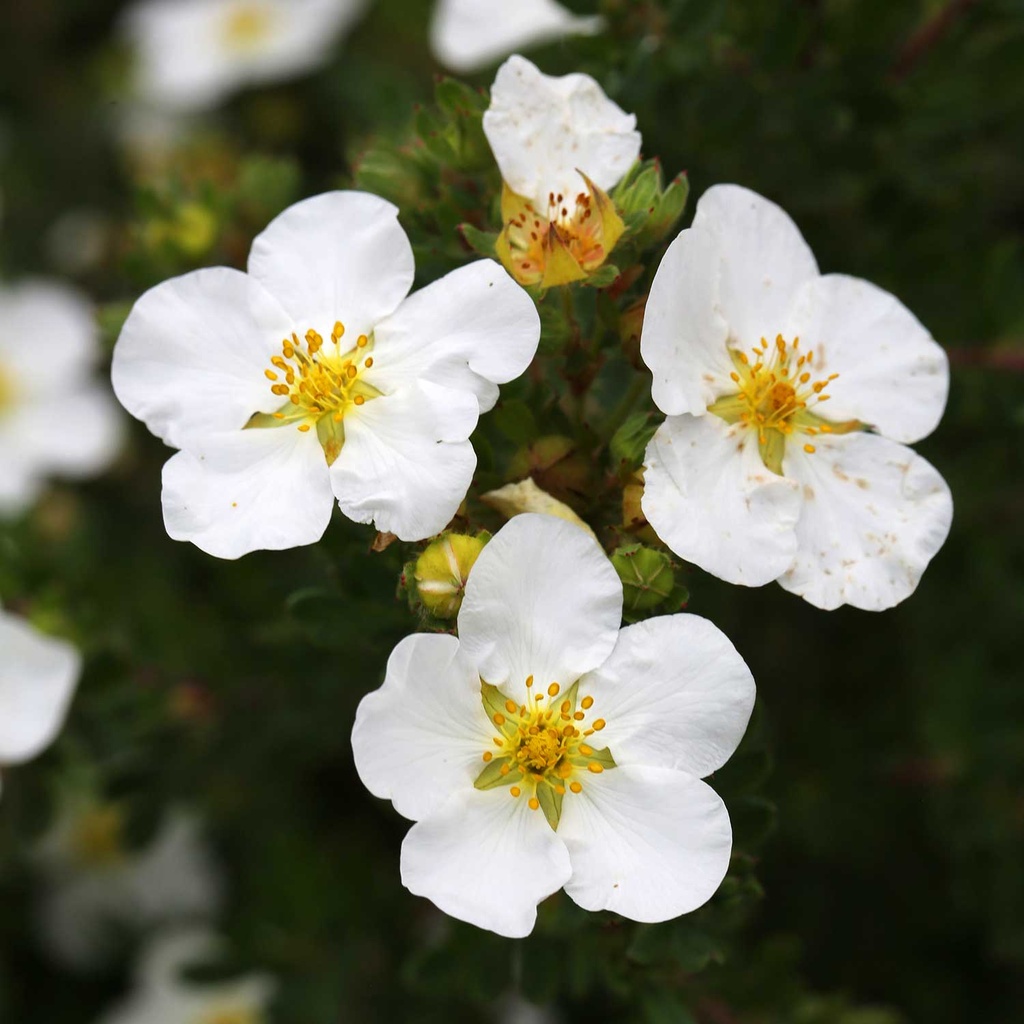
(467, 35)
(190, 54)
(163, 995)
(54, 418)
(38, 675)
(752, 477)
(545, 747)
(560, 144)
(97, 888)
(314, 376)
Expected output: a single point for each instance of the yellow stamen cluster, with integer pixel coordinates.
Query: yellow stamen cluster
(320, 381)
(543, 743)
(777, 386)
(247, 26)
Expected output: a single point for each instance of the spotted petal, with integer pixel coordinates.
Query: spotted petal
(874, 515)
(544, 130)
(709, 497)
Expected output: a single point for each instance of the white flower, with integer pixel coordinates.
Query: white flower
(190, 54)
(54, 418)
(96, 887)
(163, 995)
(38, 675)
(560, 144)
(489, 742)
(774, 484)
(467, 35)
(314, 376)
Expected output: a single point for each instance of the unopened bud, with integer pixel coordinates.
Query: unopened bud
(646, 574)
(442, 570)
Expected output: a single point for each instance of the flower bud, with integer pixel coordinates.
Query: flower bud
(646, 574)
(442, 570)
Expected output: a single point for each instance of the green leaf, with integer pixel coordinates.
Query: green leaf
(629, 442)
(481, 242)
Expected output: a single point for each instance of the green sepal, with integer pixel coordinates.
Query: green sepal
(481, 242)
(494, 704)
(491, 776)
(551, 804)
(730, 407)
(772, 449)
(647, 578)
(331, 435)
(602, 278)
(603, 757)
(629, 443)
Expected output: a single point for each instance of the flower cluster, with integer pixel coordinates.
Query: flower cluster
(535, 743)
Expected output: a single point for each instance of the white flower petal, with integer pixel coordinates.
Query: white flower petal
(675, 693)
(874, 515)
(49, 338)
(486, 858)
(684, 334)
(544, 130)
(892, 374)
(473, 329)
(20, 482)
(185, 59)
(248, 490)
(192, 353)
(76, 435)
(406, 463)
(38, 675)
(423, 733)
(542, 599)
(340, 256)
(709, 497)
(764, 260)
(647, 843)
(467, 35)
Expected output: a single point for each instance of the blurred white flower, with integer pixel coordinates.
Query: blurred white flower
(163, 995)
(467, 35)
(375, 411)
(774, 484)
(55, 420)
(191, 54)
(96, 888)
(38, 675)
(489, 742)
(560, 144)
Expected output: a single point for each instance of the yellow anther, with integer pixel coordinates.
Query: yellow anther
(359, 400)
(579, 716)
(560, 790)
(529, 681)
(599, 724)
(362, 341)
(595, 768)
(369, 362)
(576, 787)
(270, 375)
(339, 330)
(566, 705)
(304, 427)
(499, 741)
(553, 690)
(505, 769)
(810, 449)
(585, 750)
(587, 702)
(515, 791)
(510, 706)
(499, 718)
(534, 803)
(488, 755)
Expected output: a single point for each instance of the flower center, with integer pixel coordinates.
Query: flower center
(319, 385)
(231, 1015)
(776, 396)
(97, 838)
(541, 746)
(567, 242)
(247, 27)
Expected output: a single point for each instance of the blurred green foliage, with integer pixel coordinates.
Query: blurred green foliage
(878, 800)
